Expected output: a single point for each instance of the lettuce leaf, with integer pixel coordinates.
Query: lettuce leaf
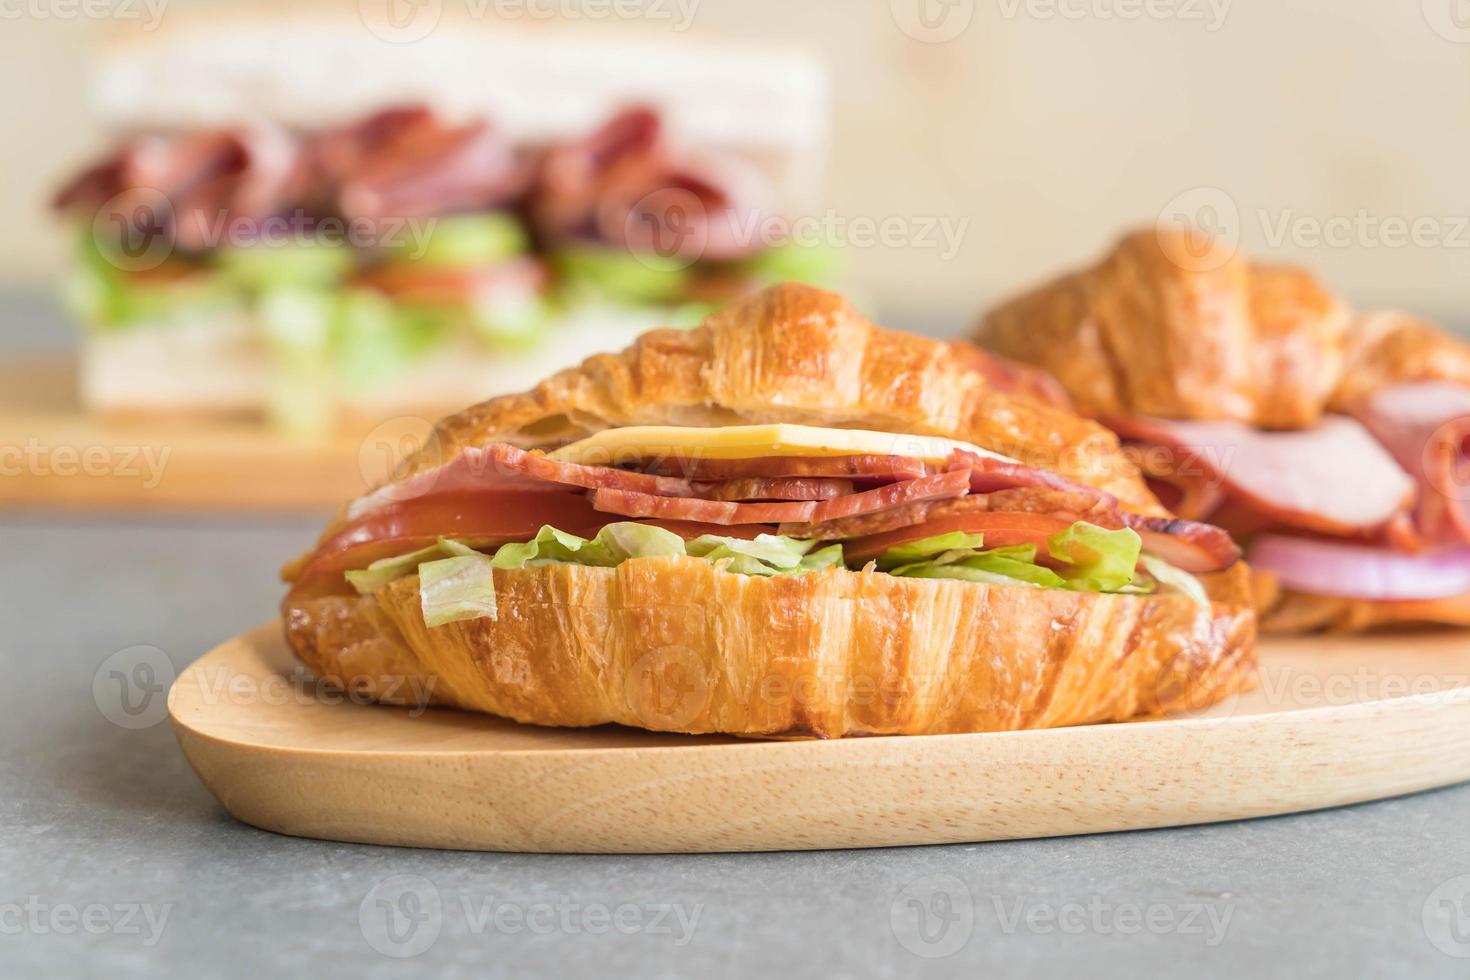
(461, 240)
(926, 548)
(614, 544)
(1176, 578)
(452, 590)
(1096, 559)
(1093, 559)
(1011, 565)
(771, 549)
(258, 266)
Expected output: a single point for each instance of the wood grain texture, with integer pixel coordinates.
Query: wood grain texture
(53, 454)
(1334, 721)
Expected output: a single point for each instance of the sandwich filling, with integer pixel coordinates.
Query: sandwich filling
(767, 500)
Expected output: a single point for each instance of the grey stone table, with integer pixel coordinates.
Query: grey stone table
(115, 862)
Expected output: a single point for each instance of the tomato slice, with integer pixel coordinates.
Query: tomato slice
(451, 286)
(1000, 530)
(489, 518)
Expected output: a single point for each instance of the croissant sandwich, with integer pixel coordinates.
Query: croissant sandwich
(1334, 444)
(785, 522)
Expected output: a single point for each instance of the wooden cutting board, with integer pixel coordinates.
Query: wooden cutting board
(1335, 721)
(54, 454)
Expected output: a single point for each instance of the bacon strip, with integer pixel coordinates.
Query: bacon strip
(630, 503)
(1019, 500)
(988, 474)
(846, 467)
(774, 488)
(953, 483)
(1189, 545)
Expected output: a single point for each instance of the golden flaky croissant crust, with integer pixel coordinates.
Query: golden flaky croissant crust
(676, 644)
(798, 354)
(1175, 325)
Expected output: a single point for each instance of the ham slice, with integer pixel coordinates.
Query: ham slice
(1332, 479)
(1426, 427)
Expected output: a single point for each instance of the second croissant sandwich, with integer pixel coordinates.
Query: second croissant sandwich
(786, 522)
(1337, 446)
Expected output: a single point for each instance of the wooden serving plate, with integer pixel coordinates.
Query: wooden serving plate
(1335, 721)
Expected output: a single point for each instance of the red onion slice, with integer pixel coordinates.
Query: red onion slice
(1361, 572)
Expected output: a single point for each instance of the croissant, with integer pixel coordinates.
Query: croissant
(1193, 351)
(681, 644)
(1175, 325)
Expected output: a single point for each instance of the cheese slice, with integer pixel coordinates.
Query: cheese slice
(612, 447)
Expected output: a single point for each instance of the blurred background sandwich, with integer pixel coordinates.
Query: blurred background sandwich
(323, 223)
